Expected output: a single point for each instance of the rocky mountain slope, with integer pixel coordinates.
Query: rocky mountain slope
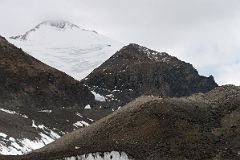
(201, 126)
(33, 98)
(66, 46)
(131, 72)
(136, 70)
(41, 103)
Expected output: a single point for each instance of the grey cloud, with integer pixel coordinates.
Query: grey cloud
(203, 32)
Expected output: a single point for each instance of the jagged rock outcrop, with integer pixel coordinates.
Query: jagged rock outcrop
(202, 126)
(135, 70)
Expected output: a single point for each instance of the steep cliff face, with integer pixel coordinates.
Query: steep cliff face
(33, 94)
(135, 70)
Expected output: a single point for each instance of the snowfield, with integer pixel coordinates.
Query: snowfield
(67, 47)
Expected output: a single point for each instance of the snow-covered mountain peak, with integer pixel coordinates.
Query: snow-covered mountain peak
(67, 47)
(52, 26)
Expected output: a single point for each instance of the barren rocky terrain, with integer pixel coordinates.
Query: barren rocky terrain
(201, 126)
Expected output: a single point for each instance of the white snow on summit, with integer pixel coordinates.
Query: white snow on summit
(67, 47)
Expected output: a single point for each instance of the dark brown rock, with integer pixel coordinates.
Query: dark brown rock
(135, 70)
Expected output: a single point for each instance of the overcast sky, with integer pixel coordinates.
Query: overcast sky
(205, 33)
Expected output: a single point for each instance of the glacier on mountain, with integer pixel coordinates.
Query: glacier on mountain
(67, 47)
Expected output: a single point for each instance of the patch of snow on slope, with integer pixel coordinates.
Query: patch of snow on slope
(79, 115)
(8, 111)
(51, 135)
(12, 146)
(13, 112)
(80, 124)
(114, 155)
(46, 111)
(21, 146)
(3, 135)
(17, 146)
(87, 107)
(75, 51)
(98, 97)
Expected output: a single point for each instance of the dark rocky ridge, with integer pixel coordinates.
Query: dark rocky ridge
(135, 70)
(199, 127)
(28, 86)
